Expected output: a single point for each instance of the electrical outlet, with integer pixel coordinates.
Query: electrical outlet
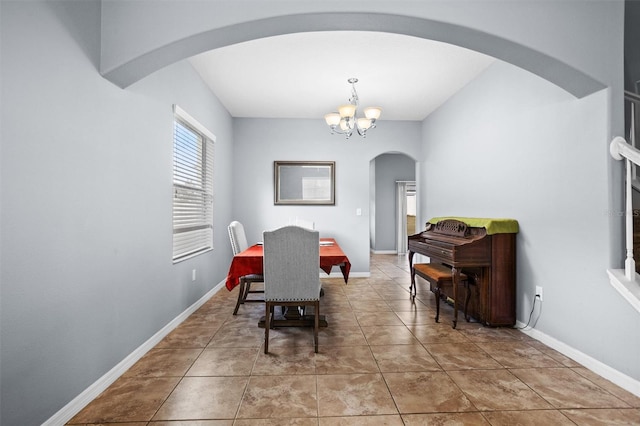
(193, 275)
(539, 292)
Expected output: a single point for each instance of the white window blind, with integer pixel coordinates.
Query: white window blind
(192, 187)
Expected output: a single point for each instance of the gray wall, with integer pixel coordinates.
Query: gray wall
(259, 142)
(86, 273)
(389, 168)
(86, 191)
(525, 149)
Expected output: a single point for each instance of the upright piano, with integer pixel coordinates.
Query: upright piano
(484, 250)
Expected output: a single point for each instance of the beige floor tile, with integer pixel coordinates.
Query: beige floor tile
(404, 358)
(461, 356)
(328, 306)
(211, 370)
(604, 417)
(426, 392)
(345, 360)
(385, 420)
(362, 293)
(437, 333)
(359, 305)
(282, 397)
(396, 292)
(128, 400)
(565, 361)
(285, 360)
(518, 355)
(417, 317)
(564, 388)
(378, 318)
(203, 398)
(527, 418)
(188, 336)
(188, 423)
(622, 394)
(389, 335)
(290, 336)
(341, 336)
(212, 318)
(238, 337)
(497, 390)
(445, 419)
(276, 422)
(164, 363)
(224, 362)
(341, 318)
(409, 305)
(353, 395)
(478, 333)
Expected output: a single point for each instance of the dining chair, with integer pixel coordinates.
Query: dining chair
(291, 274)
(238, 244)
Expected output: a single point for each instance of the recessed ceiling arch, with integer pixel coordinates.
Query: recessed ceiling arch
(559, 73)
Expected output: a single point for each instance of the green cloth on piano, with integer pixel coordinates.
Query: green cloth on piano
(492, 225)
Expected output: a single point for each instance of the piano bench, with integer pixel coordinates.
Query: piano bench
(439, 275)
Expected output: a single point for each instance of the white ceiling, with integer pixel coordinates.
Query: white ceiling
(304, 75)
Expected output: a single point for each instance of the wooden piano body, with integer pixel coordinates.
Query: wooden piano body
(487, 258)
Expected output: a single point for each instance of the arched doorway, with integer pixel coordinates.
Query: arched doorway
(388, 220)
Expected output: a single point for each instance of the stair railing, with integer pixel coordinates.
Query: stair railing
(620, 149)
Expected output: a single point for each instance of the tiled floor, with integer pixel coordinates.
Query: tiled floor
(382, 361)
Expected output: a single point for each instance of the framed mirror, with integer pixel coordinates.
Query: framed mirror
(304, 182)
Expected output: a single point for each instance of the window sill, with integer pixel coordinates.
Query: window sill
(630, 290)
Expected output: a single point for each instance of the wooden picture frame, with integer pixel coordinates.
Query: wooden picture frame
(304, 183)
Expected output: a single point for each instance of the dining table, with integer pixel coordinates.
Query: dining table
(251, 261)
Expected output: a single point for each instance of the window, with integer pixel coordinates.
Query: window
(192, 187)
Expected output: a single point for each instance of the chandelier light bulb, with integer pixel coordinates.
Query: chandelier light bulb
(347, 110)
(332, 119)
(345, 121)
(364, 123)
(372, 113)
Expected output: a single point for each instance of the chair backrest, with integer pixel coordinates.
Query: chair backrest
(291, 264)
(238, 237)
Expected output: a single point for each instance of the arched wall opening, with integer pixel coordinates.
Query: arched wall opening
(385, 171)
(128, 57)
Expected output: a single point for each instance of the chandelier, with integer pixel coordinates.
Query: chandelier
(344, 122)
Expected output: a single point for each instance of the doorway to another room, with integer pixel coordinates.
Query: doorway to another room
(392, 213)
(405, 213)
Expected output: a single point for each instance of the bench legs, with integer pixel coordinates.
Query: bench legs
(436, 281)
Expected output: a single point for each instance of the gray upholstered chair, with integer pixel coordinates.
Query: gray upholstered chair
(291, 273)
(238, 244)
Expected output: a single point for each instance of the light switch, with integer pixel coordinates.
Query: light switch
(358, 211)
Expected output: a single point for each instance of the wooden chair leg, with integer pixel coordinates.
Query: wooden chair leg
(267, 325)
(316, 324)
(241, 296)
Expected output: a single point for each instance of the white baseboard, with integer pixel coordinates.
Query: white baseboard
(351, 275)
(611, 374)
(67, 412)
(384, 251)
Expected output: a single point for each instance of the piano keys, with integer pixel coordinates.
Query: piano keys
(484, 250)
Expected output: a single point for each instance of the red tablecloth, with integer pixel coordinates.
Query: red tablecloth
(250, 262)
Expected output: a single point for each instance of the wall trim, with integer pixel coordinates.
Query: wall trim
(627, 383)
(384, 252)
(630, 290)
(351, 275)
(67, 412)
